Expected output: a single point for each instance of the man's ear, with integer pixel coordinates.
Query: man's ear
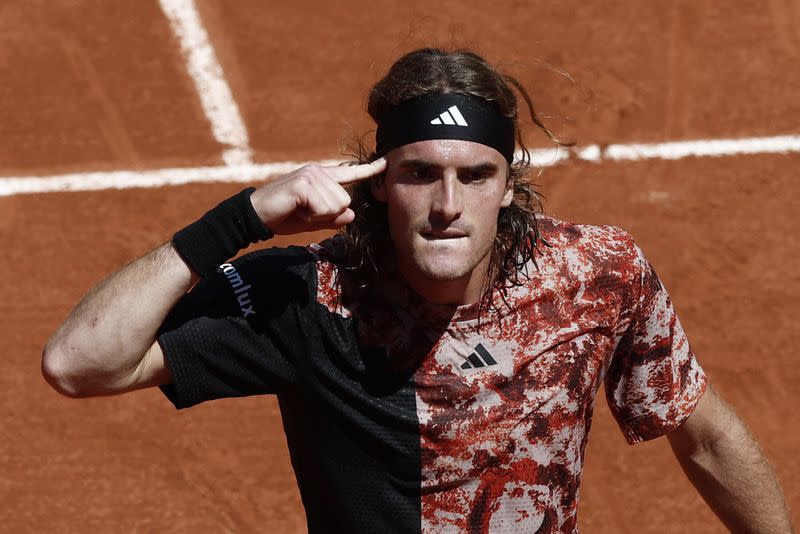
(377, 186)
(508, 196)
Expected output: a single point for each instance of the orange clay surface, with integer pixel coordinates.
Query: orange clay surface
(90, 85)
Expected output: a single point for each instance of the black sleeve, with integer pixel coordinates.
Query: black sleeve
(239, 332)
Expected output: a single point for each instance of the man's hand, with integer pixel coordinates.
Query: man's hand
(311, 197)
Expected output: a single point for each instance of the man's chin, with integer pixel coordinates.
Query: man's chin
(438, 276)
(442, 272)
(442, 265)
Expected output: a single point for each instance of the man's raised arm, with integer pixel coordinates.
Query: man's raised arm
(107, 344)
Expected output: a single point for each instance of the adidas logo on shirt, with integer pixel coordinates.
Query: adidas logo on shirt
(479, 358)
(452, 116)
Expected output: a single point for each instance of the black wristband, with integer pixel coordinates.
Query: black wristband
(220, 233)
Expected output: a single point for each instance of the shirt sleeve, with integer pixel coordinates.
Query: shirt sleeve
(654, 381)
(238, 332)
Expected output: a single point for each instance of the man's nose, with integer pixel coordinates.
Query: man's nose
(449, 200)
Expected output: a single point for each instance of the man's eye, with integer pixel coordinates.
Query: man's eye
(421, 173)
(479, 176)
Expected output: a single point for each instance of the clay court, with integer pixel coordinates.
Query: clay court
(100, 87)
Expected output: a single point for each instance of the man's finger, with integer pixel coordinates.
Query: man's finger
(356, 173)
(334, 192)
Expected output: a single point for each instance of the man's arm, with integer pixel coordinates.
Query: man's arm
(107, 344)
(726, 465)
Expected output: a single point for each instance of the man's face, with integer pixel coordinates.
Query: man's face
(443, 199)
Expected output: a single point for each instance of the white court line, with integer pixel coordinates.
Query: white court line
(710, 147)
(93, 181)
(97, 181)
(216, 97)
(783, 144)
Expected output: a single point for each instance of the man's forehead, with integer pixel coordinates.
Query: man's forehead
(446, 153)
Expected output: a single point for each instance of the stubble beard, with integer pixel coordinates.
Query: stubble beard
(447, 265)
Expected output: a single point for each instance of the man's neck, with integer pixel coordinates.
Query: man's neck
(462, 291)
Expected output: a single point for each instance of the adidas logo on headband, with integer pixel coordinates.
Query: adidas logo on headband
(451, 116)
(421, 119)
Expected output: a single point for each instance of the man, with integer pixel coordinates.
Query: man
(437, 363)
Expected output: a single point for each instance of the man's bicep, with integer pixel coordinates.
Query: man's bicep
(710, 417)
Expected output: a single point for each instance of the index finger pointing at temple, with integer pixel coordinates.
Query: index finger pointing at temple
(356, 173)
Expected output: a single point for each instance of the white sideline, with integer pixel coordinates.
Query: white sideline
(216, 97)
(94, 181)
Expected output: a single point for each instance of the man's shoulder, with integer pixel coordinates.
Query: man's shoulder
(599, 263)
(275, 269)
(319, 264)
(586, 251)
(290, 258)
(259, 263)
(605, 240)
(301, 274)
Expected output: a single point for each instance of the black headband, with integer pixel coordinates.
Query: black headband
(447, 116)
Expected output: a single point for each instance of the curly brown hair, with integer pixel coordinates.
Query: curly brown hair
(431, 71)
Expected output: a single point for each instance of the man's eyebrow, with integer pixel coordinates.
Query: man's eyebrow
(485, 166)
(481, 168)
(416, 163)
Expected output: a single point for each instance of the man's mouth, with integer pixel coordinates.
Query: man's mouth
(444, 234)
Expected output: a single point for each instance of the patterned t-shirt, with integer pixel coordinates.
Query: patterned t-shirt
(404, 416)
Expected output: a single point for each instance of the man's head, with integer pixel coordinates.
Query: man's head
(450, 208)
(442, 200)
